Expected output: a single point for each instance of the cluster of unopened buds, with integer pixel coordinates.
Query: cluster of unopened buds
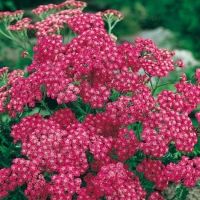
(106, 111)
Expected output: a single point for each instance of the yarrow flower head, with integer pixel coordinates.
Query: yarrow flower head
(186, 171)
(155, 61)
(190, 93)
(180, 63)
(115, 182)
(44, 9)
(84, 22)
(113, 15)
(197, 115)
(24, 54)
(72, 4)
(197, 76)
(154, 171)
(153, 143)
(125, 144)
(173, 126)
(22, 24)
(83, 116)
(8, 17)
(3, 71)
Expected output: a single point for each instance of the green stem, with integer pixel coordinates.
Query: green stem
(88, 108)
(138, 131)
(69, 35)
(79, 108)
(11, 37)
(167, 83)
(150, 79)
(21, 192)
(112, 26)
(151, 84)
(5, 34)
(40, 109)
(155, 88)
(5, 78)
(64, 105)
(7, 127)
(25, 38)
(4, 164)
(46, 107)
(109, 21)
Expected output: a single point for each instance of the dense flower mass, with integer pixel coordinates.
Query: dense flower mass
(83, 22)
(172, 126)
(154, 171)
(186, 170)
(85, 116)
(114, 181)
(153, 144)
(155, 61)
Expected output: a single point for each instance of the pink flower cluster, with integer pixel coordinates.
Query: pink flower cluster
(22, 24)
(54, 18)
(155, 61)
(58, 146)
(155, 196)
(66, 157)
(10, 79)
(186, 171)
(83, 22)
(8, 17)
(113, 15)
(172, 126)
(154, 144)
(23, 171)
(154, 171)
(3, 71)
(190, 93)
(113, 181)
(69, 4)
(197, 76)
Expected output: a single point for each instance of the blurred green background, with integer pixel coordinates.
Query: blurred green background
(180, 16)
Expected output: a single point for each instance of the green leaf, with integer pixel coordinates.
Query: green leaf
(43, 88)
(147, 185)
(6, 151)
(135, 160)
(169, 157)
(181, 192)
(3, 140)
(90, 156)
(114, 95)
(76, 83)
(198, 183)
(197, 146)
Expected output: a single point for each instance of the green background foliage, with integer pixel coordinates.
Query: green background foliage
(180, 16)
